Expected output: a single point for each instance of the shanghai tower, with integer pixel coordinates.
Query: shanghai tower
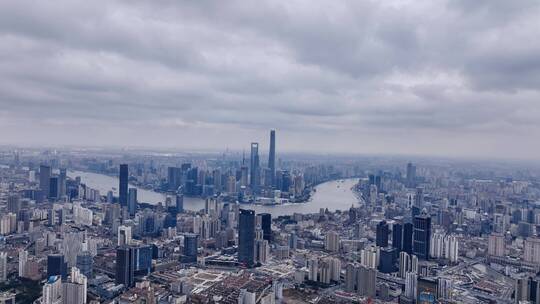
(272, 157)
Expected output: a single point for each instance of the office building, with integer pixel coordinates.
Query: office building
(407, 243)
(190, 247)
(56, 266)
(411, 176)
(123, 185)
(387, 260)
(85, 263)
(14, 203)
(125, 266)
(266, 225)
(246, 237)
(255, 174)
(422, 236)
(132, 201)
(44, 180)
(62, 183)
(143, 260)
(382, 234)
(397, 236)
(53, 188)
(272, 158)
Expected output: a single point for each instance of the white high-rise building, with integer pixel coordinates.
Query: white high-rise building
(436, 246)
(124, 235)
(451, 248)
(496, 246)
(531, 251)
(407, 263)
(81, 215)
(52, 291)
(444, 288)
(369, 257)
(3, 266)
(23, 259)
(331, 241)
(335, 268)
(262, 251)
(411, 281)
(74, 291)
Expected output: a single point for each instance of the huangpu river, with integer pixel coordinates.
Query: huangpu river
(334, 195)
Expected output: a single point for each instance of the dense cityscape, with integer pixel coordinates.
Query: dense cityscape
(269, 152)
(217, 228)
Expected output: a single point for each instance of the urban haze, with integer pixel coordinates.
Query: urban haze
(269, 152)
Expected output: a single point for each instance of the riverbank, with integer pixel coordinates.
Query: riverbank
(334, 195)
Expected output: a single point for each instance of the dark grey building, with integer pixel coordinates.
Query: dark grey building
(387, 263)
(125, 266)
(272, 158)
(123, 187)
(397, 236)
(382, 234)
(246, 238)
(179, 202)
(56, 266)
(132, 201)
(266, 226)
(190, 247)
(45, 179)
(422, 236)
(53, 187)
(407, 238)
(85, 263)
(255, 174)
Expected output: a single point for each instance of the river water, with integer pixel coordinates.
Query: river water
(334, 195)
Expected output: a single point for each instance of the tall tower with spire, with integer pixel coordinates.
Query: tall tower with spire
(272, 157)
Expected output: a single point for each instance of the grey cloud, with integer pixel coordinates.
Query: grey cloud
(232, 70)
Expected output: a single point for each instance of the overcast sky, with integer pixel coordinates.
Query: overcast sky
(458, 78)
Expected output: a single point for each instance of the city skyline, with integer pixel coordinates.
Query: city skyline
(364, 78)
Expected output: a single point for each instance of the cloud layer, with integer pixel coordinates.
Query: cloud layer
(449, 77)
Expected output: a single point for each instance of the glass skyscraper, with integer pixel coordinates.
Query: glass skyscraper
(422, 236)
(190, 247)
(246, 238)
(125, 266)
(272, 158)
(123, 187)
(255, 174)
